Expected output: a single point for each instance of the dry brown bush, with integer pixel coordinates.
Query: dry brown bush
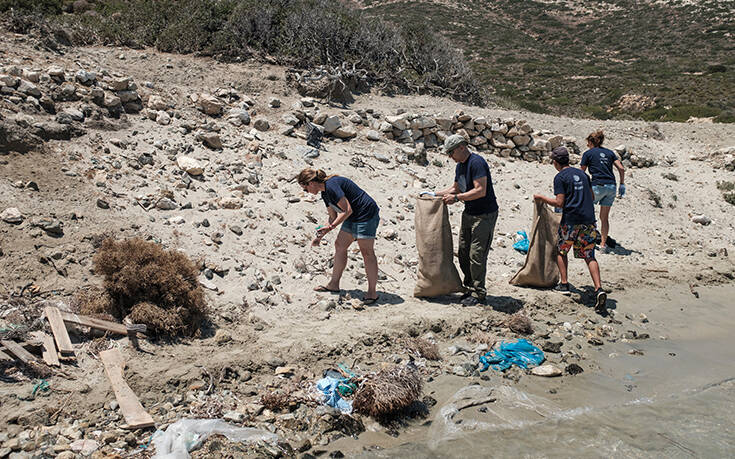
(423, 348)
(520, 323)
(275, 401)
(96, 302)
(156, 287)
(387, 391)
(480, 337)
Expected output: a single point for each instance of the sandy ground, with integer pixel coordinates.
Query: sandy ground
(264, 305)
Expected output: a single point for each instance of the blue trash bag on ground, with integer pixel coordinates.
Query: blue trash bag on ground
(521, 353)
(522, 245)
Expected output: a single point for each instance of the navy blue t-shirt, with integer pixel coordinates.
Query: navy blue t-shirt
(578, 206)
(465, 175)
(600, 163)
(363, 206)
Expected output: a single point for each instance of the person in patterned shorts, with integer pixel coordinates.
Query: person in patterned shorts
(578, 228)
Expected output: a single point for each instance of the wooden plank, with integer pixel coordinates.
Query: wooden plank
(63, 343)
(18, 351)
(132, 410)
(4, 357)
(49, 348)
(91, 322)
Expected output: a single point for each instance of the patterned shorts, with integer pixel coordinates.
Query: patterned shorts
(581, 237)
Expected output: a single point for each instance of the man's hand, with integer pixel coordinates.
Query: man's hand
(321, 232)
(621, 190)
(538, 198)
(449, 198)
(316, 242)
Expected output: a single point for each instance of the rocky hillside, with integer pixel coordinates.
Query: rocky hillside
(587, 58)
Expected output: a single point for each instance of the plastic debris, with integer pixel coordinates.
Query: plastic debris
(521, 353)
(188, 434)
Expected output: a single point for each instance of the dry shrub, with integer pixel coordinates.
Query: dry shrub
(96, 302)
(519, 323)
(156, 287)
(481, 337)
(387, 391)
(275, 401)
(423, 348)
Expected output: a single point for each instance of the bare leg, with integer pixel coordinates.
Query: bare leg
(594, 268)
(562, 262)
(604, 224)
(341, 244)
(367, 248)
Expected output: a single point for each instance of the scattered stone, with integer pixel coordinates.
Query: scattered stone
(552, 347)
(701, 219)
(548, 370)
(163, 118)
(211, 140)
(222, 336)
(573, 369)
(274, 102)
(262, 124)
(102, 204)
(190, 165)
(210, 104)
(11, 215)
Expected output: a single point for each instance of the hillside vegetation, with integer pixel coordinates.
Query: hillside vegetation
(402, 58)
(580, 57)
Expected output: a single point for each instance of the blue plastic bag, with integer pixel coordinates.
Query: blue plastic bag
(522, 245)
(521, 353)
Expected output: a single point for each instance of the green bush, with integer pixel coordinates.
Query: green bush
(35, 6)
(408, 57)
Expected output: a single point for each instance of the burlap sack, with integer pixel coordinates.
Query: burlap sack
(437, 273)
(540, 269)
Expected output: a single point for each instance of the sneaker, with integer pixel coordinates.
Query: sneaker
(601, 300)
(470, 301)
(562, 288)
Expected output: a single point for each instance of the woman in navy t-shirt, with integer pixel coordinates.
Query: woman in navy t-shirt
(347, 204)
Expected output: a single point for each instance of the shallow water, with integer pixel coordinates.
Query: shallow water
(676, 400)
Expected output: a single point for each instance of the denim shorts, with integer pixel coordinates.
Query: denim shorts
(604, 194)
(362, 230)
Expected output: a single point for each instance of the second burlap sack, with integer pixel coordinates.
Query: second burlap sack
(540, 269)
(437, 273)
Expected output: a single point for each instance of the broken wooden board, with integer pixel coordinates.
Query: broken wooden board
(63, 343)
(49, 353)
(91, 322)
(18, 351)
(5, 357)
(134, 413)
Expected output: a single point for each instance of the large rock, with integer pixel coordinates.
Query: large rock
(548, 370)
(28, 88)
(399, 121)
(210, 104)
(521, 139)
(423, 122)
(373, 135)
(331, 124)
(211, 140)
(11, 215)
(238, 117)
(262, 124)
(157, 103)
(345, 132)
(190, 165)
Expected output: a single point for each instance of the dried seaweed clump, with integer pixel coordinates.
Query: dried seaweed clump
(156, 287)
(520, 323)
(96, 302)
(275, 401)
(423, 348)
(387, 391)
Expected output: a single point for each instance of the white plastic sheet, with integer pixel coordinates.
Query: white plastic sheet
(188, 434)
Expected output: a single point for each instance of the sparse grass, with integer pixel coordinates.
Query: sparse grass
(725, 186)
(520, 323)
(423, 348)
(729, 198)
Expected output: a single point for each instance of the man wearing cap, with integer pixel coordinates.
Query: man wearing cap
(472, 185)
(578, 228)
